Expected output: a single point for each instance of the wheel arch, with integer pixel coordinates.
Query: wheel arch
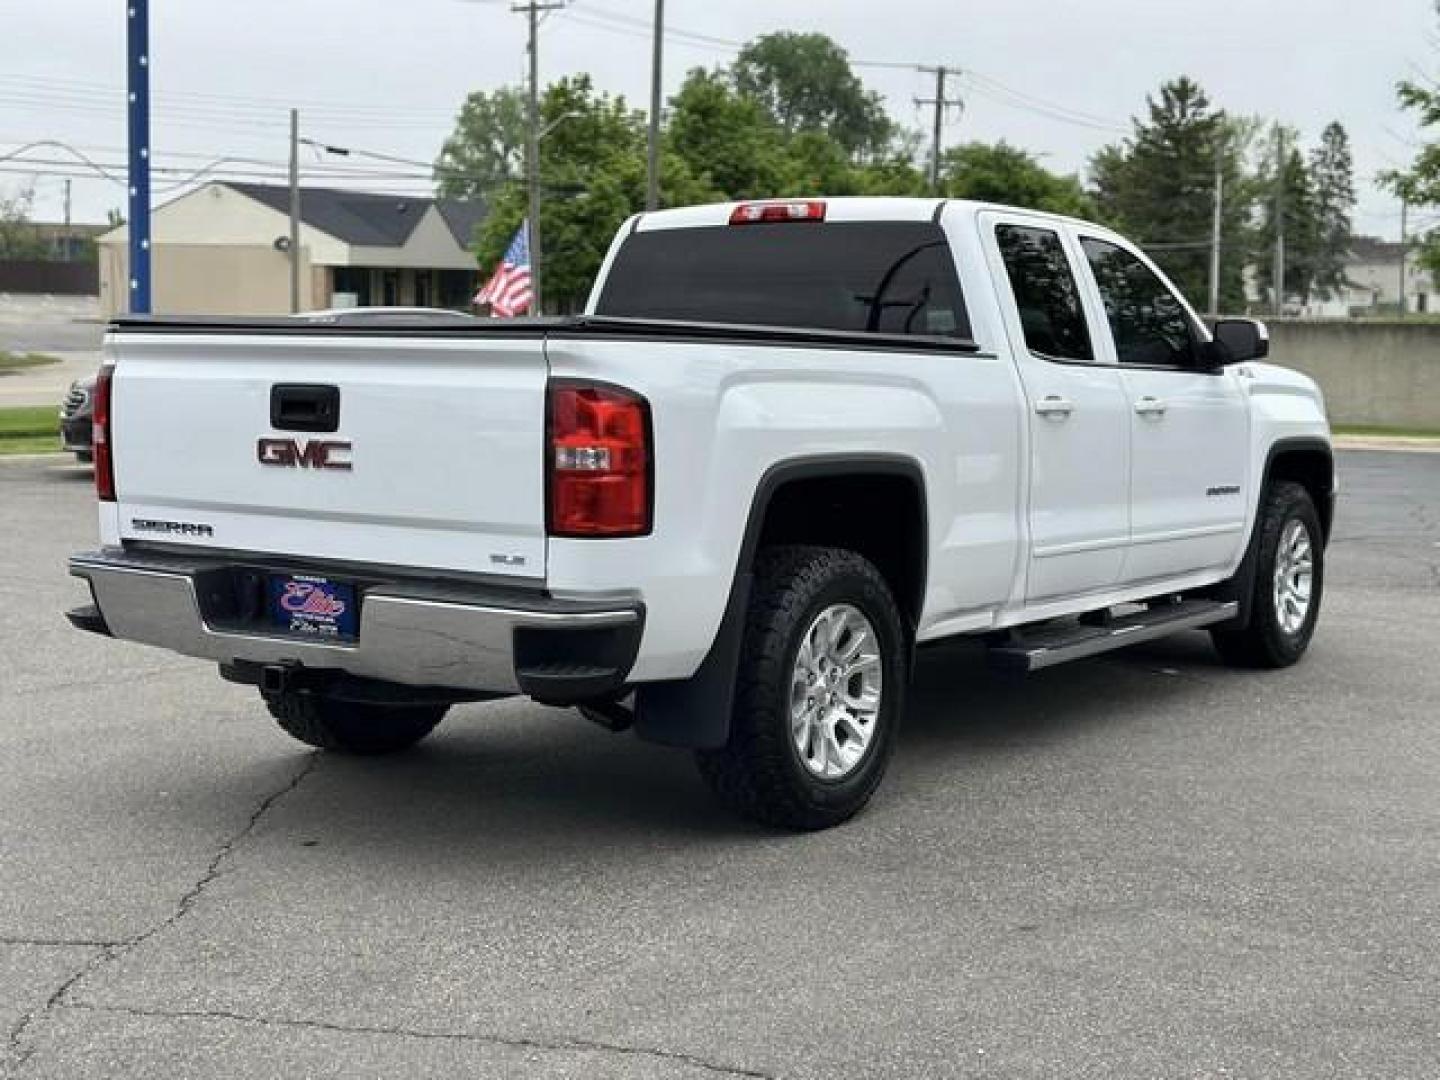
(790, 489)
(695, 712)
(1309, 462)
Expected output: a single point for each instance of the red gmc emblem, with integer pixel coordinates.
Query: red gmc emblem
(311, 454)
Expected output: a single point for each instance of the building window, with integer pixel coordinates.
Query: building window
(456, 288)
(351, 287)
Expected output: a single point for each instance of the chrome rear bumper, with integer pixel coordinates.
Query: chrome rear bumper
(412, 632)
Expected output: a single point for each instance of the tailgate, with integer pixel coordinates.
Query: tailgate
(435, 459)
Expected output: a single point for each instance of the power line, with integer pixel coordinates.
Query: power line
(84, 166)
(194, 108)
(213, 102)
(1059, 112)
(66, 148)
(597, 17)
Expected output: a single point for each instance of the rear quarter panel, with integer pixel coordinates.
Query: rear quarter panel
(724, 415)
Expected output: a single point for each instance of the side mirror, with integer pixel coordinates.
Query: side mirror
(1242, 340)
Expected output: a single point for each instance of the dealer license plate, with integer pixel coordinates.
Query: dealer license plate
(315, 606)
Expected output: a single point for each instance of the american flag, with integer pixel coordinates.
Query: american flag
(508, 291)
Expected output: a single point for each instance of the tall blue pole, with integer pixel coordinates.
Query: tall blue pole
(137, 41)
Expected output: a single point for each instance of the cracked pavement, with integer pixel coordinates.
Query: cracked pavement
(1139, 866)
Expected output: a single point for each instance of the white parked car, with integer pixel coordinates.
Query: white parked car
(786, 444)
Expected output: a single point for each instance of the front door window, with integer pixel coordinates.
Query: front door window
(1150, 326)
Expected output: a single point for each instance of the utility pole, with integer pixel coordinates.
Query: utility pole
(1215, 228)
(652, 163)
(533, 10)
(1277, 270)
(137, 47)
(65, 238)
(941, 103)
(1404, 211)
(294, 210)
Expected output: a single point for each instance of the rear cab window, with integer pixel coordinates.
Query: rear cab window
(890, 277)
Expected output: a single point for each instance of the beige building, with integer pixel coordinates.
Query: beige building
(221, 250)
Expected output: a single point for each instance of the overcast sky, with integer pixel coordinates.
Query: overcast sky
(1060, 78)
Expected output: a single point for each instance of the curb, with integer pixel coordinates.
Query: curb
(54, 456)
(1393, 443)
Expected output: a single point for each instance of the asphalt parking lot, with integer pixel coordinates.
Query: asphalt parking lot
(68, 328)
(1141, 866)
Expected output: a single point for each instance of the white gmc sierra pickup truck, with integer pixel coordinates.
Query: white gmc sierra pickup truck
(786, 444)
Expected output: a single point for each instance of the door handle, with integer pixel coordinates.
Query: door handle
(304, 407)
(1054, 405)
(1150, 406)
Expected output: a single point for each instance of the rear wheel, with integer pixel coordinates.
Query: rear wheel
(350, 728)
(1289, 582)
(819, 694)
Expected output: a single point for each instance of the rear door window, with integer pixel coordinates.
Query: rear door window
(893, 277)
(1046, 295)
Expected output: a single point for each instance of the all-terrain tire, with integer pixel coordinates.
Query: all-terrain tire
(759, 773)
(1265, 641)
(351, 728)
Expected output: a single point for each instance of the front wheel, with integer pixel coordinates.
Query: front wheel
(1289, 582)
(819, 693)
(352, 728)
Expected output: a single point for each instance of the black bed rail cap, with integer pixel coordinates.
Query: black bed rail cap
(455, 324)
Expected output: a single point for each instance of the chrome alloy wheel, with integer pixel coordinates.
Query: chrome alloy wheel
(1294, 573)
(835, 692)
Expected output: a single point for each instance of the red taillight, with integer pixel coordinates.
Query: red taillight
(795, 210)
(599, 461)
(101, 444)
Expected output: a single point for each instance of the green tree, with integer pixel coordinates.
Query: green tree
(487, 148)
(1419, 185)
(592, 176)
(1332, 170)
(17, 232)
(898, 175)
(1158, 186)
(805, 83)
(725, 138)
(1006, 174)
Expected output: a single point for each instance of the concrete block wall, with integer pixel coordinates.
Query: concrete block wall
(1382, 374)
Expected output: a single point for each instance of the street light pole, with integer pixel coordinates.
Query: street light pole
(941, 103)
(533, 10)
(1217, 220)
(1404, 212)
(294, 210)
(1277, 269)
(137, 42)
(652, 167)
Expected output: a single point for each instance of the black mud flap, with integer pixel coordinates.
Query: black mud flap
(695, 712)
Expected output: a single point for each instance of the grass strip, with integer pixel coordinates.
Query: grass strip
(20, 361)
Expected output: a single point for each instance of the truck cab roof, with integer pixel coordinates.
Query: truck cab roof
(845, 208)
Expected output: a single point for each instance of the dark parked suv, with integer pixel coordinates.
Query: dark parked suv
(75, 418)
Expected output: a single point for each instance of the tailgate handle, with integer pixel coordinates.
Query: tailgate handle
(304, 407)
